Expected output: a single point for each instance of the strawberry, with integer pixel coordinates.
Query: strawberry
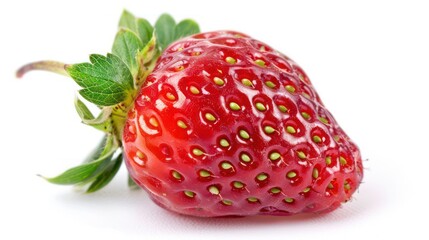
(215, 124)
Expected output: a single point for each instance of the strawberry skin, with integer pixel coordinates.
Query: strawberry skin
(227, 126)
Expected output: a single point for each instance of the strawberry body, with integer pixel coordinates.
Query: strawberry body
(225, 125)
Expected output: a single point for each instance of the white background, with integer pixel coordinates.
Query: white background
(369, 61)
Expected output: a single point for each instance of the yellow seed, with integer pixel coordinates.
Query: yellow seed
(315, 173)
(176, 175)
(306, 95)
(238, 184)
(324, 120)
(189, 194)
(301, 154)
(317, 139)
(194, 90)
(252, 199)
(214, 190)
(204, 173)
(291, 174)
(328, 160)
(282, 108)
(246, 82)
(210, 117)
(289, 200)
(244, 134)
(290, 130)
(234, 106)
(139, 154)
(343, 161)
(224, 143)
(260, 106)
(170, 96)
(269, 129)
(274, 156)
(290, 88)
(153, 122)
(337, 138)
(226, 165)
(260, 62)
(230, 60)
(245, 158)
(270, 84)
(181, 124)
(218, 81)
(347, 186)
(197, 152)
(305, 115)
(275, 190)
(262, 177)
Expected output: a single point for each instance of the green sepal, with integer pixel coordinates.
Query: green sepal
(111, 82)
(126, 46)
(145, 30)
(128, 20)
(164, 29)
(102, 122)
(82, 110)
(96, 152)
(146, 59)
(132, 184)
(148, 53)
(140, 26)
(85, 172)
(106, 81)
(106, 175)
(167, 31)
(79, 173)
(186, 28)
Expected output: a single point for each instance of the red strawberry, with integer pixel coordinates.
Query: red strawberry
(223, 125)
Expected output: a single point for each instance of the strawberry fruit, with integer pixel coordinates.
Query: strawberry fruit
(215, 124)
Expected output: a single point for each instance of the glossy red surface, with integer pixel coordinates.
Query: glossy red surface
(227, 126)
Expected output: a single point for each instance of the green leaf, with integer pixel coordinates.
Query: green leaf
(96, 152)
(185, 28)
(164, 29)
(145, 30)
(106, 175)
(105, 81)
(103, 121)
(139, 26)
(128, 20)
(126, 46)
(146, 59)
(79, 173)
(148, 52)
(82, 110)
(86, 171)
(131, 183)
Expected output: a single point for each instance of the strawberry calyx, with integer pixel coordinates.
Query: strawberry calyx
(111, 83)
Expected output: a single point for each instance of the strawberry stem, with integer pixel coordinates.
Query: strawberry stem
(50, 66)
